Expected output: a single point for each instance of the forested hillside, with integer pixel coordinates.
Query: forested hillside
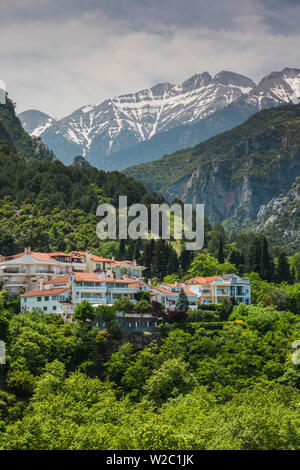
(11, 131)
(235, 173)
(221, 379)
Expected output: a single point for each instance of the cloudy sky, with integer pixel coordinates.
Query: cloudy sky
(58, 55)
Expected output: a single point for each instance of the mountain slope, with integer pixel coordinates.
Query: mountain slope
(141, 127)
(35, 122)
(235, 172)
(280, 219)
(276, 89)
(12, 132)
(122, 122)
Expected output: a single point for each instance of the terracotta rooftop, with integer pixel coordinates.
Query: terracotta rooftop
(167, 291)
(34, 293)
(201, 280)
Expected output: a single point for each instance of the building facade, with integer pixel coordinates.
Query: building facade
(76, 287)
(214, 289)
(167, 294)
(27, 271)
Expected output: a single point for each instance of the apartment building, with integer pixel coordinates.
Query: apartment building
(27, 270)
(62, 294)
(167, 294)
(214, 289)
(111, 267)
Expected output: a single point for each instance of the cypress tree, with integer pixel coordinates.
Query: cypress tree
(172, 266)
(254, 257)
(121, 254)
(283, 272)
(220, 255)
(266, 266)
(184, 260)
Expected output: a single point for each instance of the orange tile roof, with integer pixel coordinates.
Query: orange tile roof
(201, 280)
(128, 264)
(93, 257)
(100, 258)
(94, 277)
(59, 279)
(34, 254)
(34, 293)
(167, 291)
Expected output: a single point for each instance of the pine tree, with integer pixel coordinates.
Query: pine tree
(182, 301)
(220, 255)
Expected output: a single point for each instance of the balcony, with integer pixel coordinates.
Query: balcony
(13, 284)
(90, 289)
(14, 271)
(94, 300)
(121, 290)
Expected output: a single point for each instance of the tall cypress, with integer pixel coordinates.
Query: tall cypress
(283, 272)
(254, 256)
(121, 254)
(172, 266)
(266, 265)
(220, 255)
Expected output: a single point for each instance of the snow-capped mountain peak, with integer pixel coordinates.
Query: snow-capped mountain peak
(121, 122)
(36, 122)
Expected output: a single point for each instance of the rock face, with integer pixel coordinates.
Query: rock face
(80, 161)
(280, 219)
(140, 127)
(234, 173)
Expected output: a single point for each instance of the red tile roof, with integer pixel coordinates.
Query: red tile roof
(167, 291)
(34, 293)
(58, 280)
(201, 280)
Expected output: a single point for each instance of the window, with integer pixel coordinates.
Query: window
(25, 300)
(46, 298)
(45, 309)
(39, 299)
(54, 297)
(54, 307)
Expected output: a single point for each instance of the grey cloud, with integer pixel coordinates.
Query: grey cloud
(57, 56)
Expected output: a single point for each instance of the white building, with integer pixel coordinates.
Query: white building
(214, 289)
(167, 294)
(75, 287)
(27, 271)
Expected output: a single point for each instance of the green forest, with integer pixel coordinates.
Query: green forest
(219, 377)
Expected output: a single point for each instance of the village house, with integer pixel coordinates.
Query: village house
(111, 266)
(214, 289)
(167, 294)
(62, 294)
(75, 287)
(24, 271)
